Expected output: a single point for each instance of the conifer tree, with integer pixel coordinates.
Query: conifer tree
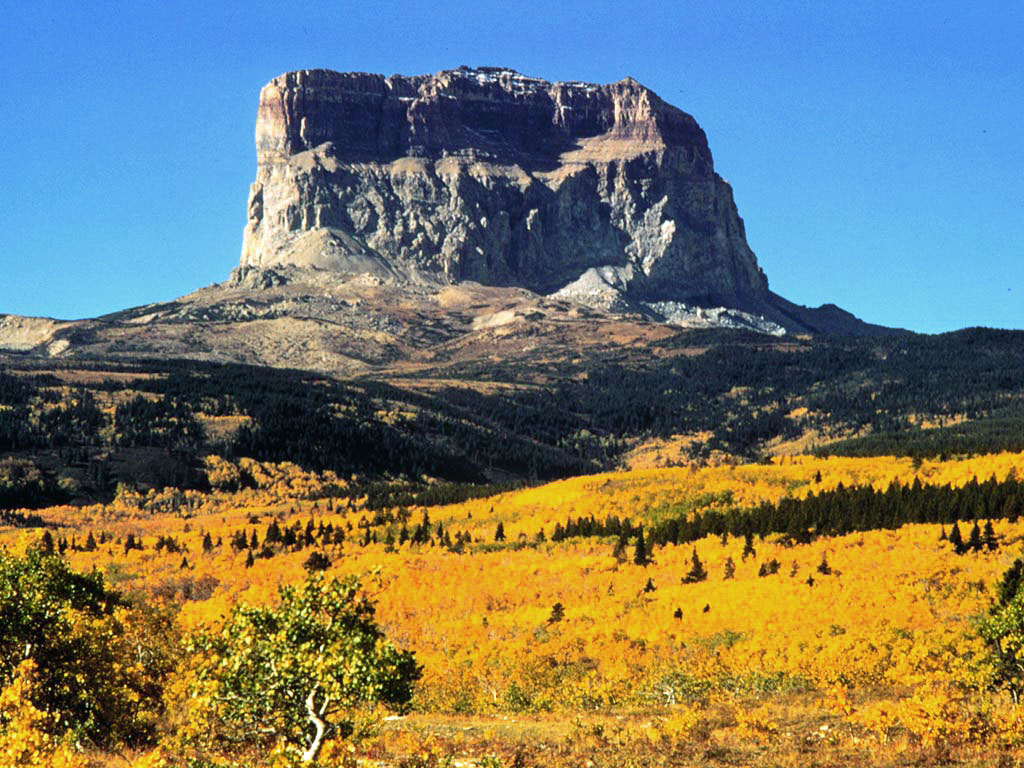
(748, 546)
(46, 545)
(823, 567)
(273, 534)
(499, 533)
(640, 556)
(974, 543)
(249, 559)
(991, 542)
(730, 569)
(317, 561)
(649, 586)
(697, 570)
(679, 613)
(957, 539)
(1009, 584)
(90, 543)
(207, 543)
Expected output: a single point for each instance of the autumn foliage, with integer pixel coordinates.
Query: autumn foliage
(858, 648)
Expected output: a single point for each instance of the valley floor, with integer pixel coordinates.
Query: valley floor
(861, 649)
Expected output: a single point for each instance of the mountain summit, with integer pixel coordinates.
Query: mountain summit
(489, 175)
(437, 218)
(602, 194)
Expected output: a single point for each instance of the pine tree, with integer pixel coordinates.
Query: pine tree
(273, 534)
(679, 613)
(957, 539)
(499, 534)
(640, 556)
(207, 543)
(942, 534)
(730, 569)
(90, 543)
(991, 542)
(748, 546)
(1009, 584)
(823, 567)
(317, 561)
(649, 586)
(184, 563)
(254, 542)
(974, 543)
(249, 559)
(557, 613)
(697, 570)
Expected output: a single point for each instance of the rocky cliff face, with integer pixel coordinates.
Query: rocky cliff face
(477, 215)
(491, 176)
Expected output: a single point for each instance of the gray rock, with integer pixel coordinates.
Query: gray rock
(491, 176)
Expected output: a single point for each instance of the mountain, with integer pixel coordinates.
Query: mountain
(407, 220)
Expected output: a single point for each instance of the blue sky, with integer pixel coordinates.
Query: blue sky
(875, 148)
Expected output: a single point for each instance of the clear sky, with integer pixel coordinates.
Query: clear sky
(876, 149)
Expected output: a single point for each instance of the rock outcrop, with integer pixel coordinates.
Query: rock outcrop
(491, 176)
(477, 215)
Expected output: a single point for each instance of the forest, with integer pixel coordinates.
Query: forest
(75, 429)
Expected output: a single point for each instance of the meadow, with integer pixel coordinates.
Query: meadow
(857, 649)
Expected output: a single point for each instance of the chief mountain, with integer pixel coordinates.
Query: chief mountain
(486, 277)
(475, 212)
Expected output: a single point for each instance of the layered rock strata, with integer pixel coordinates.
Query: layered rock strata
(491, 176)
